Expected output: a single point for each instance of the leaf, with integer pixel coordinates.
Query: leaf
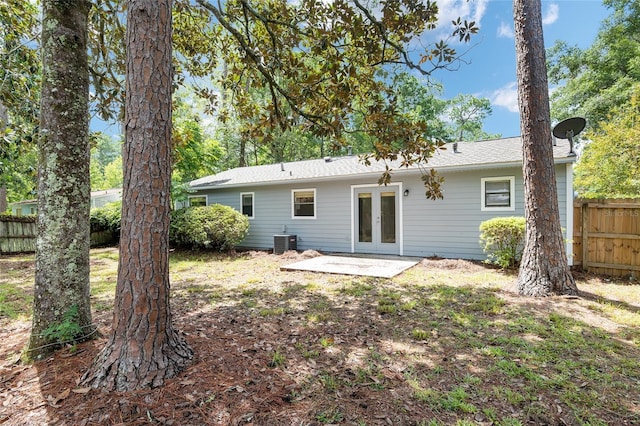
(81, 390)
(53, 401)
(63, 395)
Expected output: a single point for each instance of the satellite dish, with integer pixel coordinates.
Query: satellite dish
(567, 129)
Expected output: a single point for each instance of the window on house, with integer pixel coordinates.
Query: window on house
(498, 193)
(198, 201)
(304, 203)
(246, 201)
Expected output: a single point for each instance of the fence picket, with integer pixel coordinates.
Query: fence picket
(607, 236)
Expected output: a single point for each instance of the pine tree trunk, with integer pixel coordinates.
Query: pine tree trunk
(4, 120)
(62, 247)
(144, 349)
(544, 269)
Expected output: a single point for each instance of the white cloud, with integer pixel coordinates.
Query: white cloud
(450, 10)
(551, 15)
(505, 30)
(506, 97)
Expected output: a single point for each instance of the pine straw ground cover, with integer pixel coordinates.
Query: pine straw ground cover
(446, 342)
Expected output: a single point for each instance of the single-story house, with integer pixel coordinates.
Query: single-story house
(335, 204)
(98, 199)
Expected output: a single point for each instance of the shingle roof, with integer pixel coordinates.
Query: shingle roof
(471, 155)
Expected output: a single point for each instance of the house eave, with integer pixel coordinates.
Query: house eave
(377, 173)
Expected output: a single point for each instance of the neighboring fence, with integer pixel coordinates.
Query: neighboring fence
(606, 236)
(18, 235)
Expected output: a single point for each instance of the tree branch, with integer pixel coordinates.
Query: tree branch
(261, 67)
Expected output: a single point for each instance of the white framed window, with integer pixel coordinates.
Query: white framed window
(246, 204)
(197, 200)
(498, 193)
(303, 203)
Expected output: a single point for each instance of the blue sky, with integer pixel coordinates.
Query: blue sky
(491, 72)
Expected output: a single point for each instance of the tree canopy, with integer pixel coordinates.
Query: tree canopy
(321, 73)
(610, 163)
(19, 95)
(596, 80)
(318, 68)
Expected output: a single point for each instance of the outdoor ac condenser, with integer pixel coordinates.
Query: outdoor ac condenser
(282, 243)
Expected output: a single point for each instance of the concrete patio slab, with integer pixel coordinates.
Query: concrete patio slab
(351, 265)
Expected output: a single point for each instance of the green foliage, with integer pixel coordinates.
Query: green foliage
(502, 238)
(331, 81)
(609, 166)
(66, 331)
(113, 175)
(195, 153)
(331, 415)
(19, 97)
(277, 359)
(106, 162)
(596, 80)
(106, 218)
(467, 113)
(214, 227)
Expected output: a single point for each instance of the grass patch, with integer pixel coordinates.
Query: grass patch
(450, 344)
(277, 359)
(266, 312)
(330, 416)
(15, 302)
(420, 334)
(456, 400)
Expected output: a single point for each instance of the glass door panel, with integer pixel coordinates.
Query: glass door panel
(365, 217)
(388, 217)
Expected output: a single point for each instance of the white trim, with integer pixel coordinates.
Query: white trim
(315, 203)
(206, 199)
(400, 214)
(400, 221)
(253, 204)
(569, 201)
(512, 195)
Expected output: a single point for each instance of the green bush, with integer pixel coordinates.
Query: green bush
(106, 218)
(214, 227)
(502, 238)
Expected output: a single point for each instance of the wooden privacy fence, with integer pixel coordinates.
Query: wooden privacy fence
(17, 234)
(606, 236)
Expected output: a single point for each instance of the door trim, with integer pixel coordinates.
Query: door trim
(400, 232)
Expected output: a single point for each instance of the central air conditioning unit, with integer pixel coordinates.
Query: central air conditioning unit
(282, 243)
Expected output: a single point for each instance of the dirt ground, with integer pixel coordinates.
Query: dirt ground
(234, 378)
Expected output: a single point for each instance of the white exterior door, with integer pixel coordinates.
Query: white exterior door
(376, 220)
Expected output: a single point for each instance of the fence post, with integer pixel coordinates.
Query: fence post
(585, 236)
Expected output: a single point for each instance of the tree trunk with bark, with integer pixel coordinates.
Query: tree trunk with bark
(544, 269)
(144, 349)
(4, 120)
(61, 294)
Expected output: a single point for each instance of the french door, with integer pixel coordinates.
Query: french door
(376, 220)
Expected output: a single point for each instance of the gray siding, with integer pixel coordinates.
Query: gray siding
(449, 227)
(446, 228)
(329, 231)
